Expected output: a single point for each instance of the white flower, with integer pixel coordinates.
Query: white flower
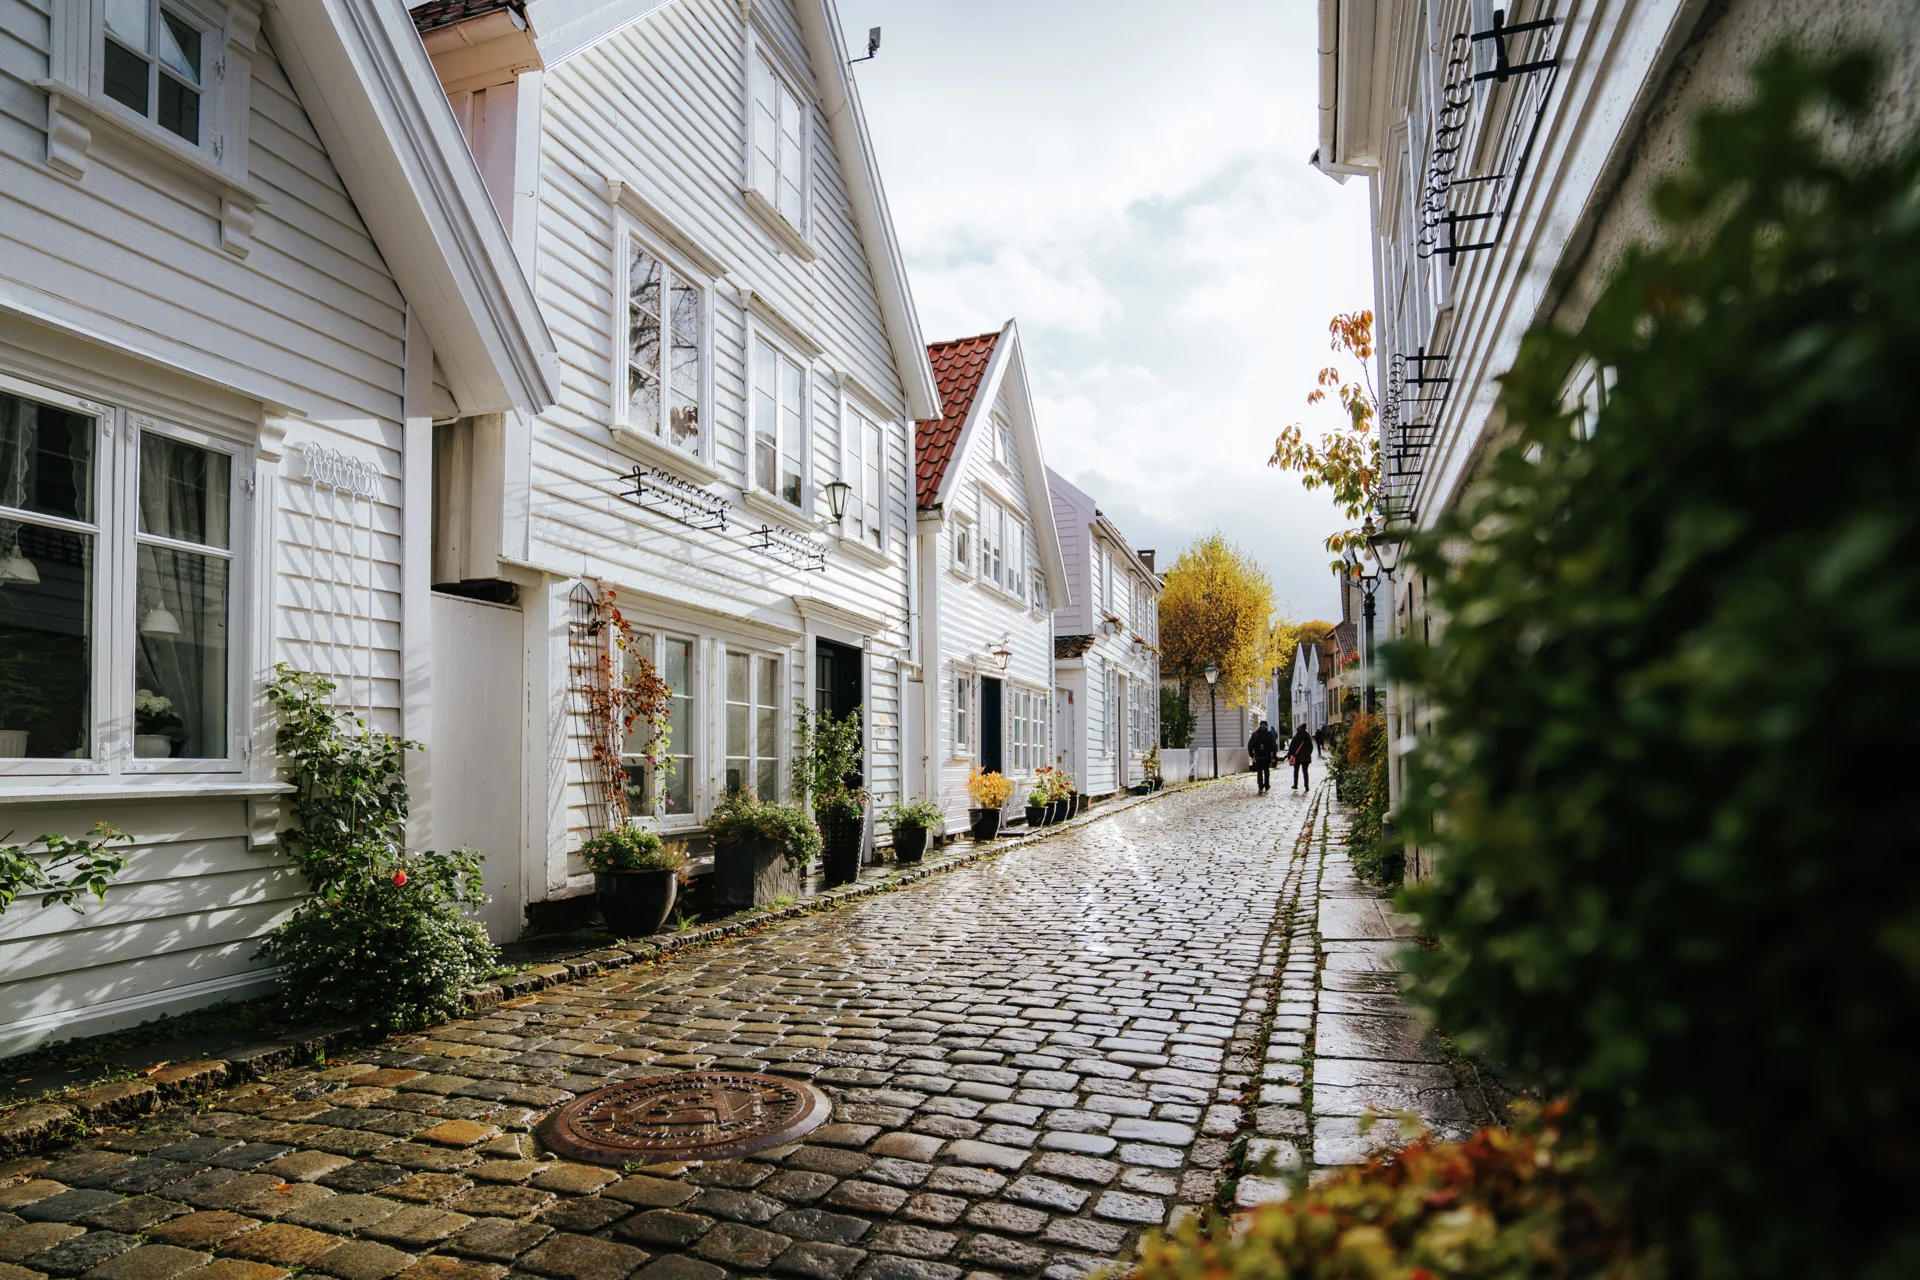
(149, 703)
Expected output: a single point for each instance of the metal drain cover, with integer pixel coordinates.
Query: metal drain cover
(690, 1115)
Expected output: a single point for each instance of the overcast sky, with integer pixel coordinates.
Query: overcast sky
(1129, 181)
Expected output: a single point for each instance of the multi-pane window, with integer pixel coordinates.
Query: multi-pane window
(152, 548)
(779, 143)
(963, 546)
(666, 313)
(668, 791)
(779, 431)
(1002, 441)
(151, 63)
(1027, 729)
(1003, 549)
(753, 724)
(183, 592)
(962, 712)
(1039, 596)
(1103, 566)
(866, 471)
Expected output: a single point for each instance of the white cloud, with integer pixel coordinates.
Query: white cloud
(1132, 188)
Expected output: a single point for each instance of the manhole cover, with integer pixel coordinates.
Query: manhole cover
(691, 1115)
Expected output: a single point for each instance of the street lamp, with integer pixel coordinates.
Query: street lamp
(1369, 583)
(1213, 716)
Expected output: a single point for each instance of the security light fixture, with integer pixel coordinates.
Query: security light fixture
(873, 46)
(837, 492)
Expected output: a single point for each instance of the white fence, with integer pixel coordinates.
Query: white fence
(1184, 764)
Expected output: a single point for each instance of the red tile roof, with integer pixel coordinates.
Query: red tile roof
(959, 367)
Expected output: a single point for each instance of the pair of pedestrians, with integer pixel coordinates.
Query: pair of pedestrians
(1264, 746)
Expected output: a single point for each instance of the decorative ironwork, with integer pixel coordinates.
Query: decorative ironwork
(662, 491)
(690, 1115)
(788, 547)
(1417, 387)
(1479, 212)
(588, 681)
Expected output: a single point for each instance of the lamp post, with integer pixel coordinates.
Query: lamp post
(1369, 583)
(1213, 717)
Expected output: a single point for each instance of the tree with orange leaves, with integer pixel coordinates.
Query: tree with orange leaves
(1346, 461)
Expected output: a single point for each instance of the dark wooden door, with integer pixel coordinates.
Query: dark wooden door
(990, 761)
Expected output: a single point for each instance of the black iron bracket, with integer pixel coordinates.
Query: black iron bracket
(666, 493)
(790, 548)
(1504, 69)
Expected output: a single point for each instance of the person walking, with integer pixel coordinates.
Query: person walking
(1262, 748)
(1300, 755)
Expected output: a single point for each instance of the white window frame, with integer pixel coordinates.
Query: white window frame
(777, 703)
(966, 693)
(690, 756)
(1002, 440)
(1026, 729)
(965, 548)
(115, 596)
(81, 117)
(765, 55)
(1003, 548)
(868, 501)
(653, 441)
(758, 333)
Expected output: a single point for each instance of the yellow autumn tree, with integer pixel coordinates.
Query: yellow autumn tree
(1288, 635)
(1218, 608)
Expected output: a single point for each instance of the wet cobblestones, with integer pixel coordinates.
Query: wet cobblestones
(1032, 1061)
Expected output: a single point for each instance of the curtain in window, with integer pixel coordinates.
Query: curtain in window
(180, 659)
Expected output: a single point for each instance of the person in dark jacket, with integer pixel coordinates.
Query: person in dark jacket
(1300, 754)
(1263, 747)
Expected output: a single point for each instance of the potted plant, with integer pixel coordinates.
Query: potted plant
(1037, 806)
(759, 849)
(1059, 795)
(912, 821)
(990, 793)
(1154, 779)
(155, 727)
(636, 878)
(826, 771)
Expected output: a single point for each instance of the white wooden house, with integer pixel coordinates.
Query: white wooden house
(692, 190)
(1308, 698)
(990, 575)
(1106, 648)
(245, 262)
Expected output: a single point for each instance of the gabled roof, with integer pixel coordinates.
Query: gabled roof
(1067, 648)
(367, 85)
(959, 368)
(1346, 637)
(572, 26)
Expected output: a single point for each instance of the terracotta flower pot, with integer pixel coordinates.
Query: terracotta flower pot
(636, 903)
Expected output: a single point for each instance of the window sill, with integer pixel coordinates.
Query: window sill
(775, 221)
(854, 549)
(134, 787)
(1004, 595)
(664, 456)
(72, 117)
(777, 509)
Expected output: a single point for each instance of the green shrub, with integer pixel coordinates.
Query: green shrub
(381, 940)
(1503, 1205)
(924, 814)
(741, 815)
(73, 866)
(1176, 718)
(1672, 853)
(630, 848)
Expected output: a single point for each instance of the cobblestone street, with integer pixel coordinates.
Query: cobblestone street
(1032, 1060)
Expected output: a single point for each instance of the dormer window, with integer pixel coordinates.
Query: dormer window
(151, 63)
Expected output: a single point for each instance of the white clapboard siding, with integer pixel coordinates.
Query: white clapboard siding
(661, 105)
(310, 318)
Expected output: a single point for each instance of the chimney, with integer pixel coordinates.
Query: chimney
(1146, 558)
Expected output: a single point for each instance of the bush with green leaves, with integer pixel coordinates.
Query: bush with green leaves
(1176, 718)
(741, 815)
(924, 814)
(1672, 837)
(630, 848)
(381, 940)
(71, 866)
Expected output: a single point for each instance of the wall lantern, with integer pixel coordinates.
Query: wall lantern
(837, 493)
(1001, 654)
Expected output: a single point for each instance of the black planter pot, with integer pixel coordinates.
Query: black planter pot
(751, 873)
(1036, 816)
(909, 844)
(1082, 802)
(983, 824)
(635, 903)
(840, 852)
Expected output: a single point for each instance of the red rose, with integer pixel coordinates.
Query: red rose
(399, 878)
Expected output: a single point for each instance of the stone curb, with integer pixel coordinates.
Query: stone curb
(33, 1127)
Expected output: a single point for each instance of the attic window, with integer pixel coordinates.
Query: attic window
(151, 64)
(777, 125)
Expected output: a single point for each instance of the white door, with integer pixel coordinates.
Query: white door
(1065, 758)
(479, 714)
